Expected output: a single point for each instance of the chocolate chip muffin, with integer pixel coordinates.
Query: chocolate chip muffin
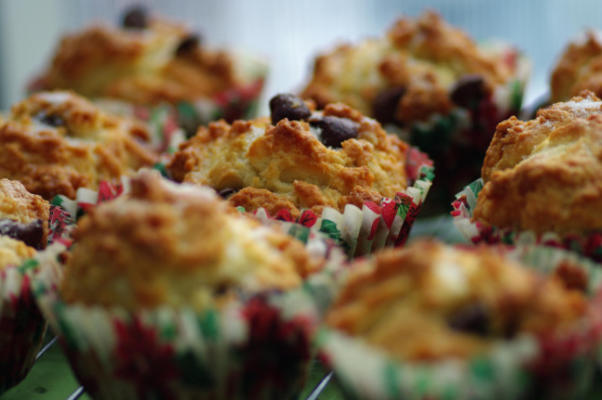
(150, 62)
(448, 302)
(477, 322)
(443, 92)
(299, 159)
(543, 175)
(578, 68)
(146, 60)
(23, 216)
(178, 246)
(57, 142)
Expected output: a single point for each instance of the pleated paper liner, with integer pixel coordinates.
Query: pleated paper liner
(457, 141)
(589, 245)
(255, 347)
(525, 367)
(22, 326)
(361, 231)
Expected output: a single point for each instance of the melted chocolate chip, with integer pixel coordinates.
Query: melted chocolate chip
(472, 318)
(31, 233)
(286, 105)
(188, 44)
(335, 130)
(50, 119)
(468, 91)
(135, 17)
(227, 192)
(385, 104)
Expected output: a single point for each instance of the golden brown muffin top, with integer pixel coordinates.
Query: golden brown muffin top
(57, 142)
(424, 58)
(296, 164)
(579, 68)
(177, 245)
(429, 301)
(13, 252)
(23, 215)
(546, 174)
(161, 61)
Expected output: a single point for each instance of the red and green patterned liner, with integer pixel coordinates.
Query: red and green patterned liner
(22, 327)
(526, 367)
(589, 245)
(374, 226)
(457, 142)
(258, 346)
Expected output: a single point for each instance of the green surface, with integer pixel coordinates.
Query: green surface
(49, 379)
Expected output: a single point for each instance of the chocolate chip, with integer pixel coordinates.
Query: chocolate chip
(472, 318)
(286, 105)
(50, 119)
(468, 91)
(385, 104)
(31, 233)
(335, 130)
(227, 192)
(135, 17)
(188, 44)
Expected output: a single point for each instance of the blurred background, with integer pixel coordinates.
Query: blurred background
(290, 33)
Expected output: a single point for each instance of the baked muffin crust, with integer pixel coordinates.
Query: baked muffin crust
(428, 301)
(160, 62)
(23, 215)
(13, 252)
(579, 68)
(57, 142)
(288, 166)
(545, 174)
(421, 58)
(178, 246)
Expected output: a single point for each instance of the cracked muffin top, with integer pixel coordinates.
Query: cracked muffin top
(298, 159)
(419, 68)
(448, 302)
(546, 174)
(147, 60)
(57, 142)
(179, 246)
(578, 68)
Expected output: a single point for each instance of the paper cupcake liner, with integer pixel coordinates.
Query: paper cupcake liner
(526, 367)
(255, 347)
(589, 245)
(22, 327)
(361, 231)
(457, 141)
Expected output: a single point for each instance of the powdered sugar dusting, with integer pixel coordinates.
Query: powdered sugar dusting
(583, 108)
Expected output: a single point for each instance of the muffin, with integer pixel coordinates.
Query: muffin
(23, 229)
(442, 91)
(23, 216)
(175, 279)
(474, 321)
(578, 68)
(57, 142)
(543, 176)
(333, 161)
(149, 61)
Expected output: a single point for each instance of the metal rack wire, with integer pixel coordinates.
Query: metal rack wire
(77, 393)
